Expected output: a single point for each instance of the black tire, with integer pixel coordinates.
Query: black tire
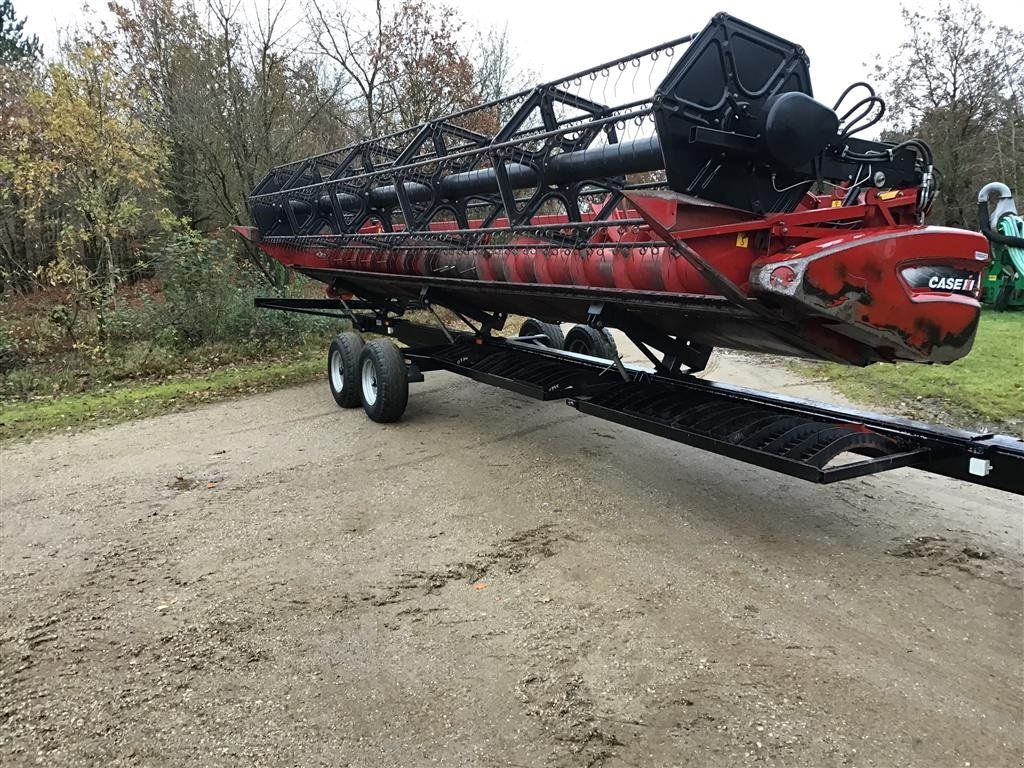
(596, 342)
(553, 336)
(383, 382)
(343, 369)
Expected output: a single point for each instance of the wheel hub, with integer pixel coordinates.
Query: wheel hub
(369, 377)
(337, 372)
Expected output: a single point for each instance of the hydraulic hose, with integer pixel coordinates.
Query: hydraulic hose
(992, 235)
(984, 218)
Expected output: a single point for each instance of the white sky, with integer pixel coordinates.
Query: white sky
(558, 37)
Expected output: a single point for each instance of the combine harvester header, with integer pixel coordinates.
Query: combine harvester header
(691, 195)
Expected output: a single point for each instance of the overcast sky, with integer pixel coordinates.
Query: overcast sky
(557, 37)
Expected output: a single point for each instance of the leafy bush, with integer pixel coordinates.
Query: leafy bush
(195, 314)
(10, 355)
(206, 297)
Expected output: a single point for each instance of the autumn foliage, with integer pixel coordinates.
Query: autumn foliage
(141, 138)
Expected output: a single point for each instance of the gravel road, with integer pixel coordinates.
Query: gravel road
(492, 582)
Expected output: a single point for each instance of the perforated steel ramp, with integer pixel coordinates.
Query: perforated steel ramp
(779, 438)
(530, 372)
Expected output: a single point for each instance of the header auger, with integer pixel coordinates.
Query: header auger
(690, 195)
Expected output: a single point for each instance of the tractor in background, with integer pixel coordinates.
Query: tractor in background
(1003, 284)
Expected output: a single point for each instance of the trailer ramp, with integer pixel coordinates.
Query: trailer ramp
(812, 441)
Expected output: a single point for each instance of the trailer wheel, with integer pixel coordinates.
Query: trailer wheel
(591, 341)
(343, 369)
(553, 336)
(383, 381)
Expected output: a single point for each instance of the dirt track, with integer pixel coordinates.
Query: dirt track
(492, 582)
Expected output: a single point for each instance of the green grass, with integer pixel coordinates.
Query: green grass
(19, 419)
(984, 388)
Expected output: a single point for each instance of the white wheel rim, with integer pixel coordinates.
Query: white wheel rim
(337, 371)
(369, 383)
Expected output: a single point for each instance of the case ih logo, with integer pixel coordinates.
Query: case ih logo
(944, 279)
(951, 283)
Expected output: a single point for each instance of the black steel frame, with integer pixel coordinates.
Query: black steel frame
(556, 147)
(442, 170)
(670, 403)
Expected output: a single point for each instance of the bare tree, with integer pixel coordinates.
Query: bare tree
(1009, 141)
(429, 70)
(958, 87)
(359, 48)
(498, 72)
(233, 94)
(406, 64)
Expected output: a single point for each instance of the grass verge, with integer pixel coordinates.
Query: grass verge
(35, 399)
(984, 389)
(19, 419)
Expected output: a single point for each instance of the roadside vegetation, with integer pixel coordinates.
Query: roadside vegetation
(125, 159)
(186, 335)
(111, 405)
(984, 388)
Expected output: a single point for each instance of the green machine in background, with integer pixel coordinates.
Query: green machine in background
(1003, 286)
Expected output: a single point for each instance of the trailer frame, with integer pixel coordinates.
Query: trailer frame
(793, 436)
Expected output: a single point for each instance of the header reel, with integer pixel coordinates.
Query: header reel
(732, 121)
